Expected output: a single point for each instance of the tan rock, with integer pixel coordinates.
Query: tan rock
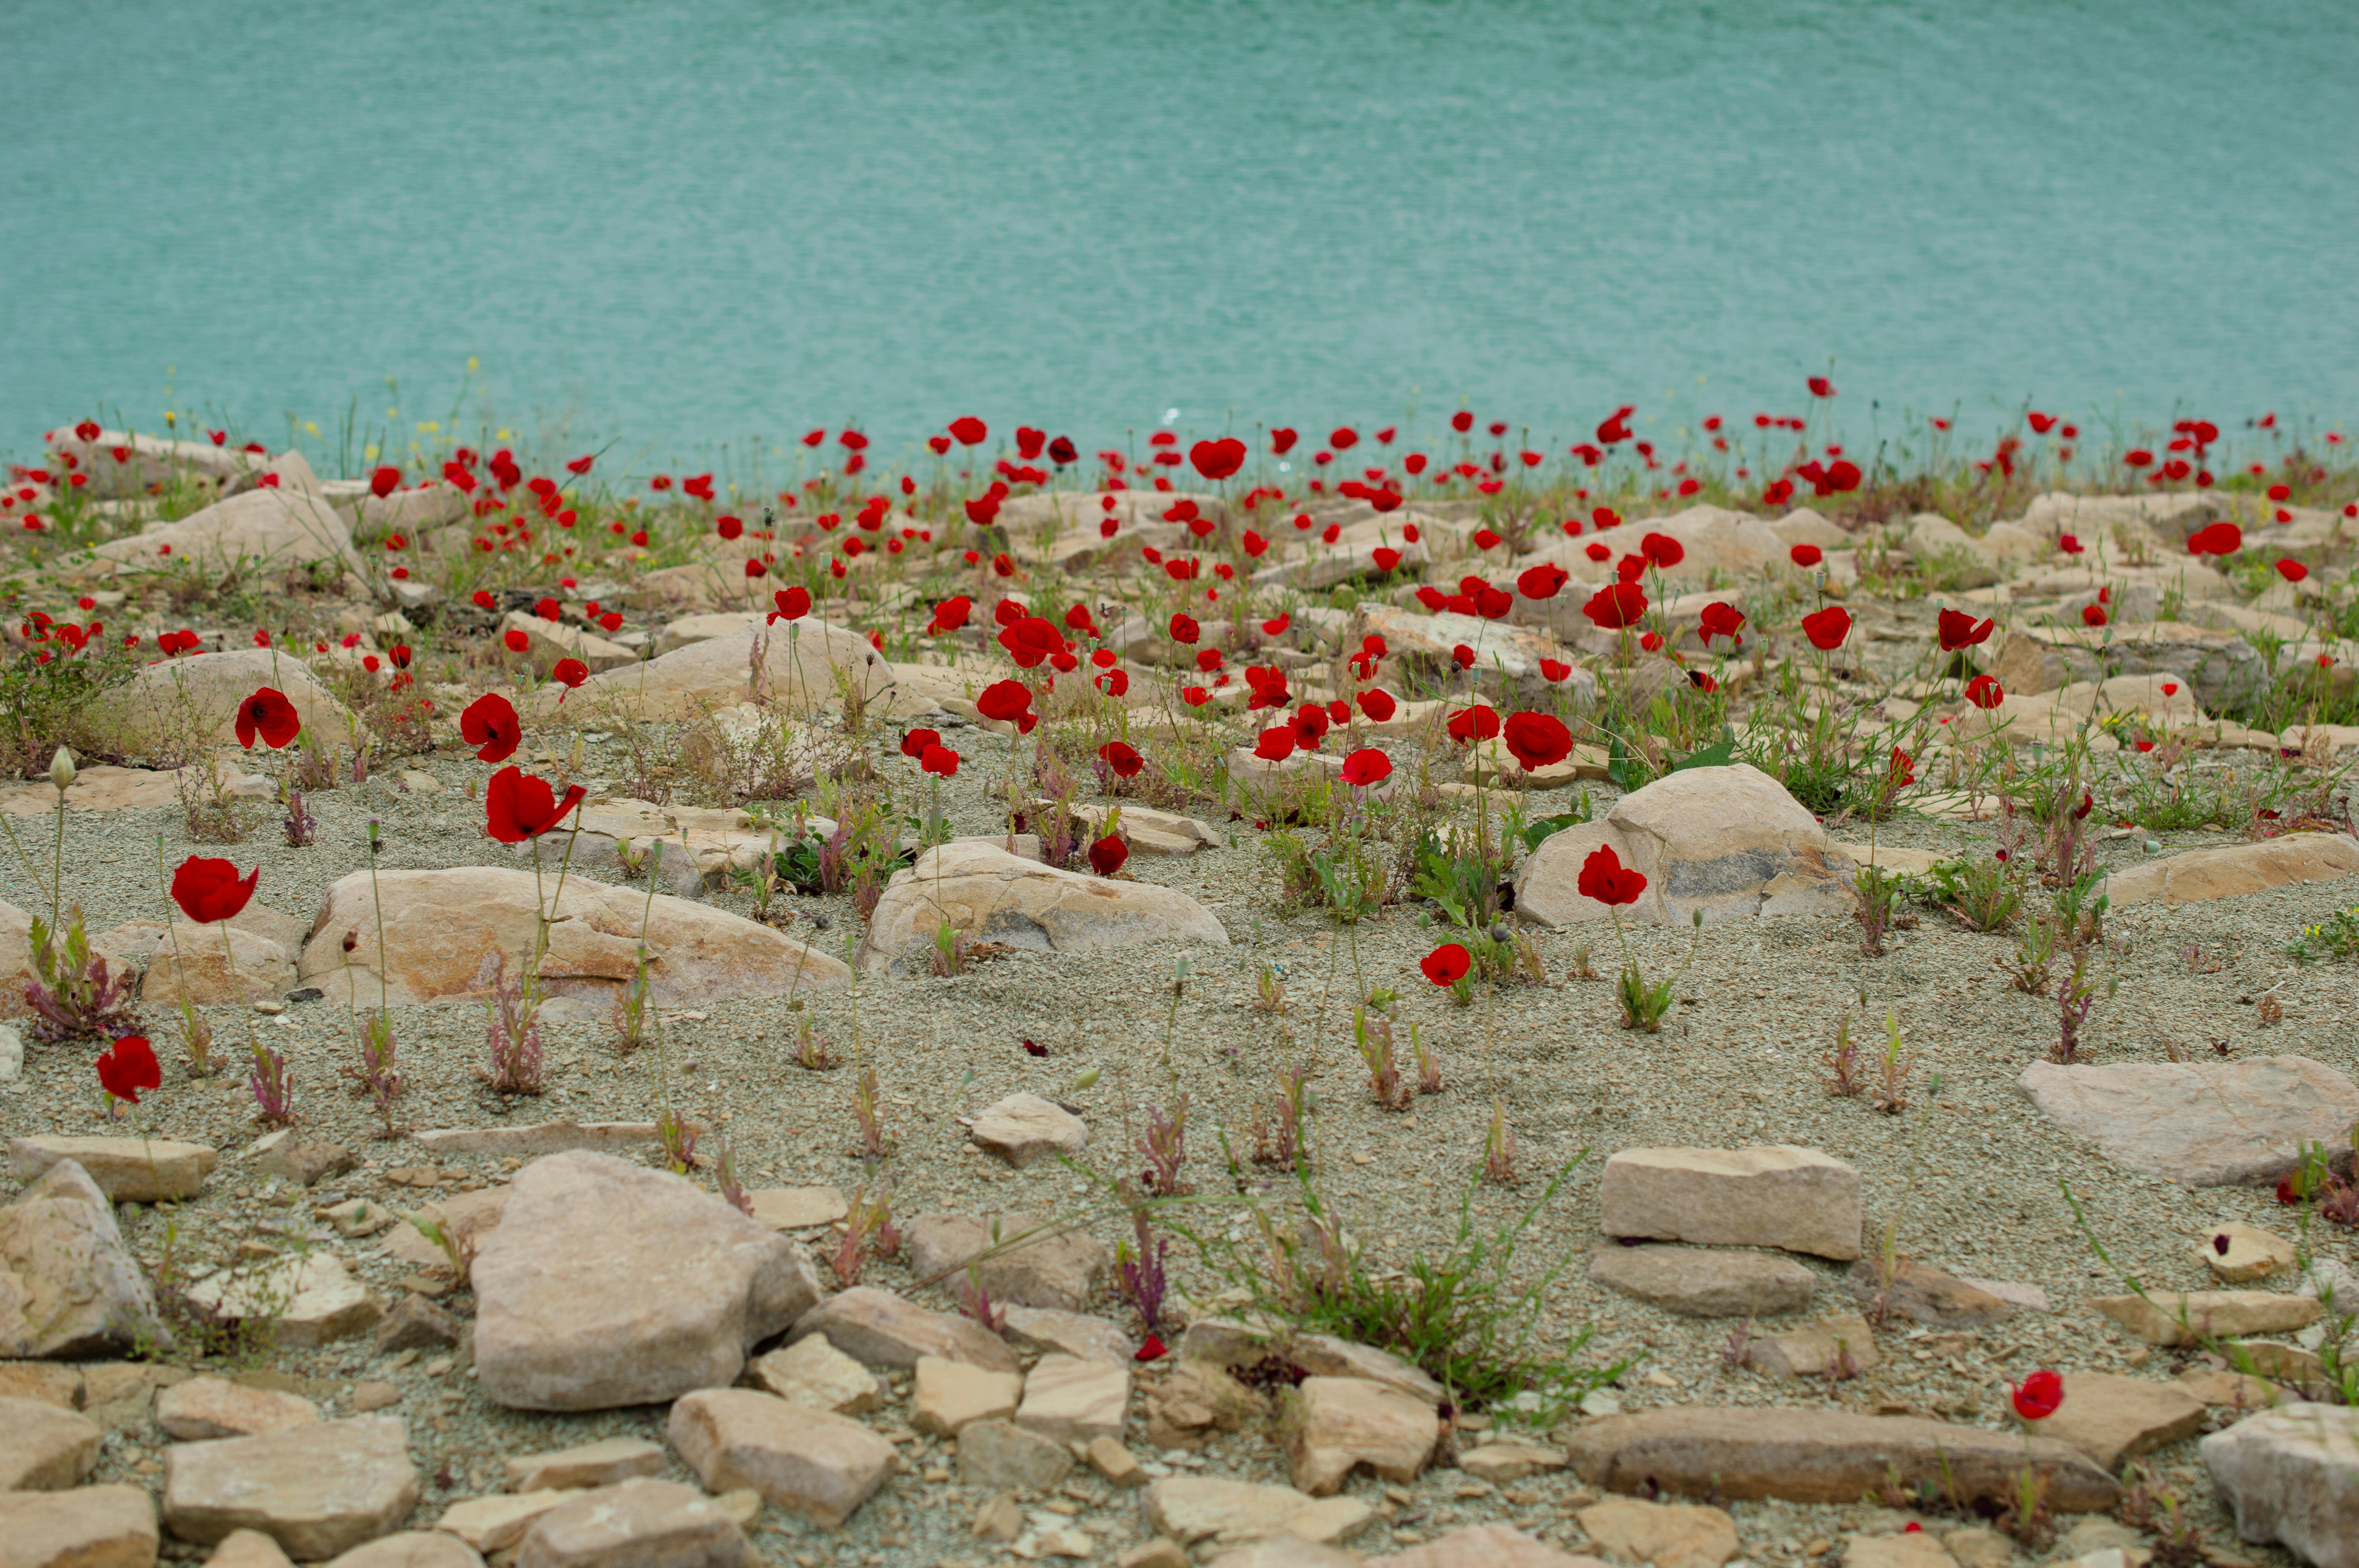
(601, 1463)
(581, 1300)
(264, 532)
(814, 1372)
(128, 1170)
(2212, 1124)
(2234, 870)
(1924, 1294)
(1002, 1453)
(2110, 1418)
(317, 1490)
(2186, 1317)
(441, 925)
(1341, 1423)
(151, 460)
(1325, 1355)
(1816, 1455)
(805, 667)
(1511, 1459)
(1795, 1199)
(306, 1301)
(1285, 1551)
(214, 1407)
(1193, 1509)
(90, 1527)
(192, 701)
(43, 1448)
(541, 1138)
(1483, 1546)
(1695, 1283)
(2232, 1389)
(412, 1549)
(1914, 1549)
(197, 966)
(1669, 1535)
(1018, 1259)
(821, 1465)
(2221, 668)
(1841, 1344)
(1726, 842)
(797, 1208)
(1074, 1400)
(1114, 1464)
(880, 1329)
(475, 1214)
(245, 1548)
(641, 1523)
(1156, 1554)
(1025, 1128)
(948, 1394)
(1048, 1330)
(500, 1521)
(546, 641)
(994, 896)
(50, 1385)
(1976, 1547)
(2238, 1253)
(68, 1285)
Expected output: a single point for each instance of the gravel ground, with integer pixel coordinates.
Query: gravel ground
(1738, 1062)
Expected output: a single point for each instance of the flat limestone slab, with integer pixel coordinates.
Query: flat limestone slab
(1795, 1199)
(2208, 1125)
(2234, 870)
(128, 1170)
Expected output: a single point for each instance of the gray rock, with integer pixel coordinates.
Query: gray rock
(1048, 1267)
(1001, 1454)
(601, 1463)
(1695, 1283)
(306, 1163)
(317, 1490)
(609, 1284)
(641, 1523)
(68, 1285)
(416, 1324)
(90, 1527)
(2292, 1476)
(880, 1329)
(2201, 1125)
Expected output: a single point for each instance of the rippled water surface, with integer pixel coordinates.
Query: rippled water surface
(697, 223)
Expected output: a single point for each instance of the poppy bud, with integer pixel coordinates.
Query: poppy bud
(62, 771)
(352, 940)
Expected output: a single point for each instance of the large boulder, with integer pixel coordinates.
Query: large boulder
(263, 532)
(1506, 656)
(2210, 1124)
(193, 701)
(318, 1490)
(798, 666)
(609, 1284)
(69, 1284)
(123, 464)
(441, 925)
(986, 893)
(2221, 668)
(1724, 841)
(2234, 870)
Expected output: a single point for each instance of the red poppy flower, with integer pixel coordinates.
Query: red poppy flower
(1616, 605)
(1903, 770)
(1541, 581)
(1031, 640)
(970, 430)
(2093, 615)
(1604, 878)
(1377, 704)
(1984, 693)
(1822, 388)
(939, 760)
(1536, 740)
(385, 481)
(569, 673)
(1005, 700)
(1958, 630)
(1386, 557)
(1479, 722)
(1107, 855)
(914, 741)
(209, 890)
(1555, 669)
(1123, 758)
(793, 603)
(1218, 460)
(2216, 539)
(518, 806)
(2040, 1396)
(489, 724)
(1276, 744)
(1154, 1350)
(1447, 965)
(2291, 570)
(1806, 556)
(1827, 628)
(268, 713)
(1282, 439)
(949, 615)
(1720, 620)
(1662, 550)
(128, 1067)
(1367, 766)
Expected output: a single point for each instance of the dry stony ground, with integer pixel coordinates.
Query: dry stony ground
(1738, 1063)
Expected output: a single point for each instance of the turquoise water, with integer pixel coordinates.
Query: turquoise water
(691, 225)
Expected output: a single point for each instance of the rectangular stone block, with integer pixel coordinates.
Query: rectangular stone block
(1798, 1200)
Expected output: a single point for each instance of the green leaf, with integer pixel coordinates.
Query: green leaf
(1719, 754)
